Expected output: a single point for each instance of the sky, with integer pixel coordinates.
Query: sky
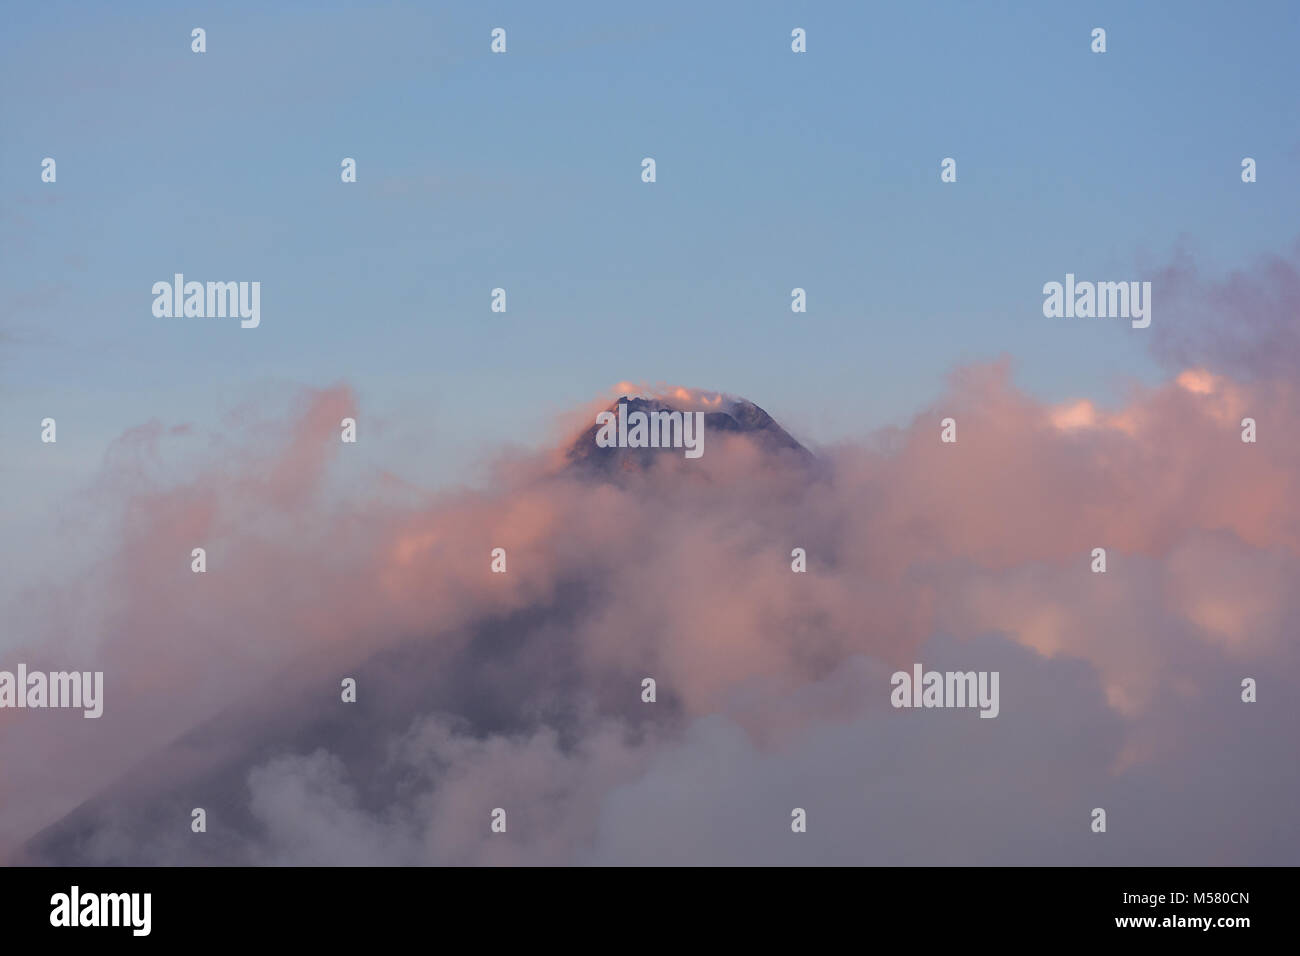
(475, 171)
(522, 171)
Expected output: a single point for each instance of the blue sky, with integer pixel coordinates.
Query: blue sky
(476, 170)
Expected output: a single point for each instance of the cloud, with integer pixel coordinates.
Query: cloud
(522, 690)
(686, 399)
(1246, 324)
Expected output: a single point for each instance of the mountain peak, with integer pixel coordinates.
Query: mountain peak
(718, 413)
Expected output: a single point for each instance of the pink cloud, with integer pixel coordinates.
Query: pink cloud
(681, 573)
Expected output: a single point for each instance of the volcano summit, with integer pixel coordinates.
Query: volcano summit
(634, 430)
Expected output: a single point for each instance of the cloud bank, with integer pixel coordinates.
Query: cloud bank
(523, 690)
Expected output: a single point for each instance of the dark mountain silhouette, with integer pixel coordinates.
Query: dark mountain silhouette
(731, 417)
(492, 677)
